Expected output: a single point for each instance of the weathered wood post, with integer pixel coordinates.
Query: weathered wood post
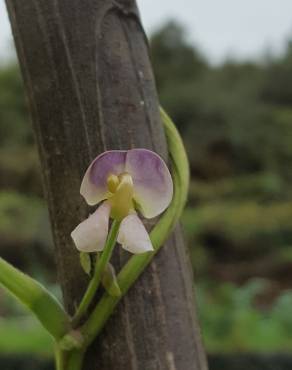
(90, 86)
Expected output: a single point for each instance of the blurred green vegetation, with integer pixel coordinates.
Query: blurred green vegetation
(236, 121)
(24, 336)
(231, 318)
(19, 212)
(20, 332)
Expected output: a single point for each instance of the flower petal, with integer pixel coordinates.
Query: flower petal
(153, 187)
(133, 236)
(90, 235)
(94, 183)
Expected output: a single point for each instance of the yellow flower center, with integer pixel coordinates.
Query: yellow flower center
(121, 198)
(112, 183)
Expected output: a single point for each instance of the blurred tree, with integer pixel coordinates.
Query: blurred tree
(277, 87)
(177, 65)
(173, 55)
(227, 112)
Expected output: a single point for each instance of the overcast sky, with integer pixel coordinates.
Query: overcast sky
(243, 29)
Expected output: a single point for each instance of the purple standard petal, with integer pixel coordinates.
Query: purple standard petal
(153, 187)
(94, 184)
(90, 235)
(133, 236)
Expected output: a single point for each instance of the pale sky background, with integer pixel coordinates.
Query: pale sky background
(242, 29)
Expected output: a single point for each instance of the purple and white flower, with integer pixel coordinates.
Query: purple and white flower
(125, 182)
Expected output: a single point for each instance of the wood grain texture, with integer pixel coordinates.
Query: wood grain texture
(90, 87)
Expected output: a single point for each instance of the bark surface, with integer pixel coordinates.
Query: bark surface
(90, 87)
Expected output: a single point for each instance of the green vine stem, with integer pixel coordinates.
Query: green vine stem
(75, 360)
(137, 264)
(68, 360)
(59, 358)
(98, 271)
(37, 298)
